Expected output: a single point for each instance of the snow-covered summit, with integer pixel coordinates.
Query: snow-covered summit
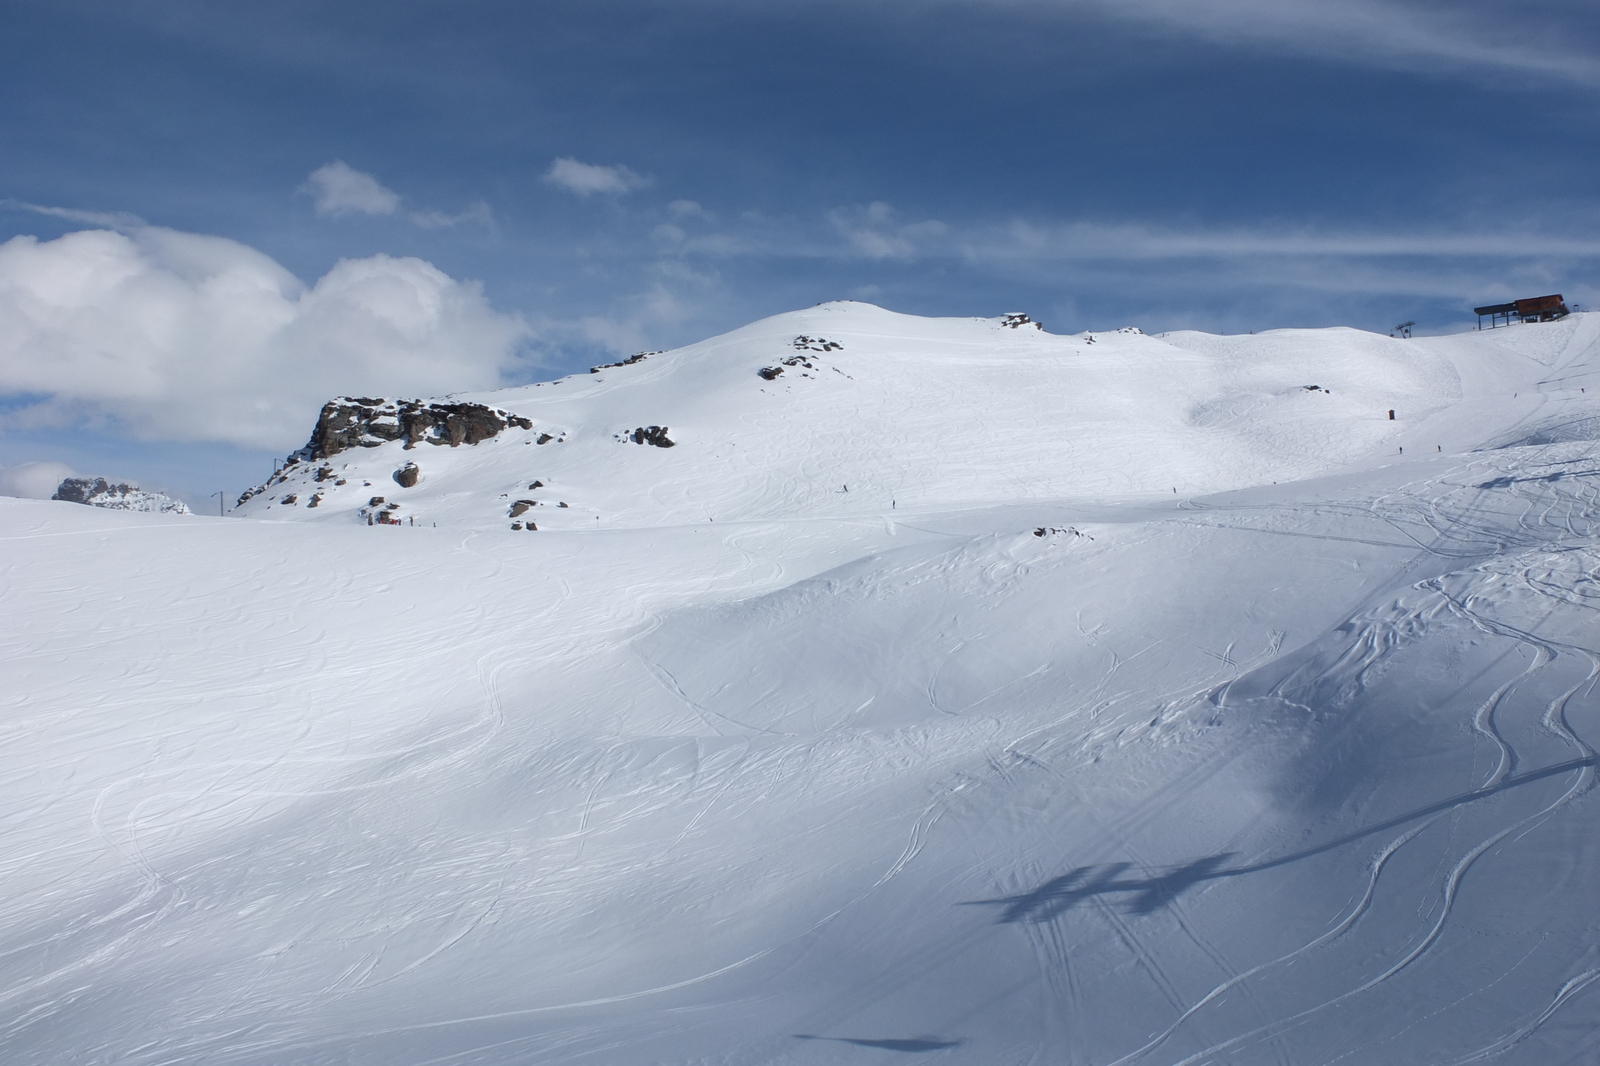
(848, 407)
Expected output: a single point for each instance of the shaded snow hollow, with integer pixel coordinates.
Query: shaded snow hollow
(1007, 754)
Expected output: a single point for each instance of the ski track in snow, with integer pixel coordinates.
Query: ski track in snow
(733, 762)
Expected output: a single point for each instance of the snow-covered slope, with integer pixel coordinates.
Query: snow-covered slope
(874, 410)
(1043, 763)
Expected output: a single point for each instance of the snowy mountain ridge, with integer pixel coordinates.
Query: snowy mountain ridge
(847, 406)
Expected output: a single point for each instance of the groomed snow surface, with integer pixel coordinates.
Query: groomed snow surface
(901, 711)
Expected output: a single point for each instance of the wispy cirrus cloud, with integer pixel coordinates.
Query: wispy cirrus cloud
(1499, 38)
(875, 232)
(111, 219)
(1175, 272)
(1135, 241)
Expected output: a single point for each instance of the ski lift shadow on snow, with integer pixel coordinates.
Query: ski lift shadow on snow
(1152, 891)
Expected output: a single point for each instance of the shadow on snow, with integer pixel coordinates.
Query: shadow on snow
(913, 1044)
(1151, 892)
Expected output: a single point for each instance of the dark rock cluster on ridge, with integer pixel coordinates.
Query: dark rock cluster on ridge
(637, 357)
(359, 422)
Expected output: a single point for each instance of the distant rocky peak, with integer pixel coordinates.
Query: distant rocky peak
(98, 492)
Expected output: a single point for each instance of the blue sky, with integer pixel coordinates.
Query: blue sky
(1226, 165)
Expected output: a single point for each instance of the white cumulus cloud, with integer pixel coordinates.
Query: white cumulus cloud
(586, 179)
(33, 481)
(179, 336)
(340, 189)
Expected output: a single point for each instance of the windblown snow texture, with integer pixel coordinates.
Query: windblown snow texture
(962, 691)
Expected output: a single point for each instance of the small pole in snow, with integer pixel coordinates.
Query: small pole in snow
(222, 502)
(1391, 414)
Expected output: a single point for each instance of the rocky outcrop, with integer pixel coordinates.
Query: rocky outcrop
(98, 492)
(653, 435)
(1016, 320)
(406, 477)
(637, 357)
(359, 422)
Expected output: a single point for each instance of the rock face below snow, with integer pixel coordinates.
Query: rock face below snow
(98, 492)
(358, 422)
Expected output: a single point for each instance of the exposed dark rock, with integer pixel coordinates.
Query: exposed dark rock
(291, 498)
(315, 500)
(536, 485)
(655, 435)
(544, 438)
(79, 489)
(1016, 320)
(375, 501)
(770, 373)
(1071, 531)
(637, 357)
(361, 422)
(407, 475)
(516, 525)
(817, 344)
(563, 503)
(521, 506)
(324, 473)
